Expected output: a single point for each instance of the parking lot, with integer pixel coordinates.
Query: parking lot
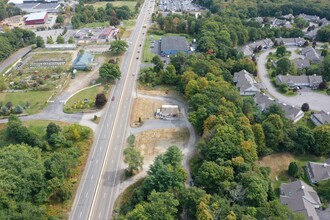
(178, 6)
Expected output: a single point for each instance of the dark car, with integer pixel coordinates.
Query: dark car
(113, 98)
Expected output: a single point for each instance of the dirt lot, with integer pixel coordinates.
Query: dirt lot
(144, 108)
(160, 91)
(154, 142)
(278, 162)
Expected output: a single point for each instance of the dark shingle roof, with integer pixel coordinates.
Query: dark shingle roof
(173, 43)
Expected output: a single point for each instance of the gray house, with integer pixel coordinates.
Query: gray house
(311, 54)
(300, 198)
(83, 61)
(172, 45)
(301, 63)
(321, 118)
(303, 80)
(245, 83)
(298, 42)
(290, 112)
(310, 18)
(318, 171)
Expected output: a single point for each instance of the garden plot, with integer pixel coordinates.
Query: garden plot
(40, 72)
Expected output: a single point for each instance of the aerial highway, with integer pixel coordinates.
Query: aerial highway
(100, 182)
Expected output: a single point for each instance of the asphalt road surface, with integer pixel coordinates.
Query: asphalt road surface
(14, 57)
(316, 101)
(100, 181)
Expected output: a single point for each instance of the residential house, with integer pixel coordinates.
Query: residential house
(310, 18)
(275, 22)
(311, 54)
(324, 22)
(83, 61)
(300, 198)
(168, 112)
(318, 171)
(245, 83)
(301, 63)
(302, 80)
(321, 118)
(311, 34)
(246, 50)
(297, 42)
(290, 112)
(288, 16)
(265, 44)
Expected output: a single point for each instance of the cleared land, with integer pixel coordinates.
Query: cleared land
(144, 108)
(154, 142)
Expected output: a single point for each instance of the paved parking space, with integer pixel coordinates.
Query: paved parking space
(178, 6)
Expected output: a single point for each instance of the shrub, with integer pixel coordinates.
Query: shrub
(100, 100)
(18, 109)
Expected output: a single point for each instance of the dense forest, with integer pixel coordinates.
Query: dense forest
(38, 168)
(12, 40)
(228, 182)
(8, 10)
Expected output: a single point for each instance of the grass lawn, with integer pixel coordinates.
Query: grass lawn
(76, 102)
(128, 24)
(97, 24)
(50, 56)
(279, 163)
(130, 4)
(37, 99)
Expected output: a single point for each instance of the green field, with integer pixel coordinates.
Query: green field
(36, 99)
(97, 24)
(131, 5)
(76, 102)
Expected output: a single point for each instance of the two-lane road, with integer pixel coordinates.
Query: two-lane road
(100, 182)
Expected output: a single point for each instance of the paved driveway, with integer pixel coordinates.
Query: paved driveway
(316, 101)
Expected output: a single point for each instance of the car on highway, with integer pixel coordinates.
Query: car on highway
(113, 98)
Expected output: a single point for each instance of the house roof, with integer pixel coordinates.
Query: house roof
(311, 54)
(264, 43)
(245, 82)
(301, 198)
(35, 16)
(319, 171)
(173, 43)
(296, 41)
(169, 110)
(84, 59)
(264, 102)
(323, 117)
(309, 17)
(302, 79)
(301, 63)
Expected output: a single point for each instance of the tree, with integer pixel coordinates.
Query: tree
(40, 42)
(323, 34)
(274, 131)
(322, 139)
(323, 189)
(50, 40)
(159, 65)
(293, 169)
(71, 40)
(60, 19)
(133, 158)
(280, 51)
(259, 138)
(118, 47)
(284, 66)
(60, 39)
(52, 128)
(109, 71)
(100, 100)
(305, 107)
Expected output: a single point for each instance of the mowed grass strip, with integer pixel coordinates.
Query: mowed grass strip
(89, 94)
(37, 100)
(130, 5)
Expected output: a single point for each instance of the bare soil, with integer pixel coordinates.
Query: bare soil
(144, 108)
(154, 142)
(278, 162)
(161, 91)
